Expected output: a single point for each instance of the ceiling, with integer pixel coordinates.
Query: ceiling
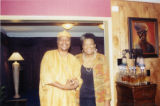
(47, 29)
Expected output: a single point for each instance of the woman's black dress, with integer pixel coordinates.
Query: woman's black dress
(87, 93)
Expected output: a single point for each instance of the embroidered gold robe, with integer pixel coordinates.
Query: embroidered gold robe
(57, 68)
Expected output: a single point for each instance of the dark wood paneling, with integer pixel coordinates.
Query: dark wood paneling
(6, 77)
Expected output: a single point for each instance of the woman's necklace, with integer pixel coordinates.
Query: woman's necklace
(88, 69)
(88, 63)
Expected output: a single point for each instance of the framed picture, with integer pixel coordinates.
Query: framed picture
(143, 35)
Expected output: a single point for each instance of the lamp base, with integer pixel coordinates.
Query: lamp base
(16, 67)
(16, 96)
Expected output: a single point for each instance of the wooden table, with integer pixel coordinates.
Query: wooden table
(129, 95)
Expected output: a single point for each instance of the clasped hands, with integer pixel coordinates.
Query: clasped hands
(71, 84)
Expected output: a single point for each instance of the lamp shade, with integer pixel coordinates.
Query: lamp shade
(15, 57)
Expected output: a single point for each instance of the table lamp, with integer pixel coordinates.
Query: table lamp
(16, 67)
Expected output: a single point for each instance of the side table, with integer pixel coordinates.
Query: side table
(130, 95)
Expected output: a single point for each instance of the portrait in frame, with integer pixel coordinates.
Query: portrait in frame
(143, 34)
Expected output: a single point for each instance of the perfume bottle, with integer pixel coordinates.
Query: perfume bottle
(124, 67)
(120, 72)
(124, 58)
(142, 69)
(133, 76)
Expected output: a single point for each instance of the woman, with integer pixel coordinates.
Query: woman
(95, 90)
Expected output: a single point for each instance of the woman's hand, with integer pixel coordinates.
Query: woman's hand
(107, 103)
(74, 82)
(71, 84)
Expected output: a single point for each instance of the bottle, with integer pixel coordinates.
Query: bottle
(119, 73)
(124, 68)
(142, 69)
(124, 58)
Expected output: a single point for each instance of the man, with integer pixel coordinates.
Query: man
(59, 75)
(143, 44)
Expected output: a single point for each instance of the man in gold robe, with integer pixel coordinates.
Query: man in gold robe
(59, 75)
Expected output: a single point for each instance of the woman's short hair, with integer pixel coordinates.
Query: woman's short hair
(88, 36)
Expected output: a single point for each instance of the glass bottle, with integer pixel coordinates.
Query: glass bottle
(124, 67)
(142, 68)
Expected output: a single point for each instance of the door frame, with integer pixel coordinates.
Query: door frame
(107, 21)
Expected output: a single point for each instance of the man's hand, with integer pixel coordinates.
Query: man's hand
(71, 84)
(74, 82)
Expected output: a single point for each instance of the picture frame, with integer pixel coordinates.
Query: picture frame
(143, 35)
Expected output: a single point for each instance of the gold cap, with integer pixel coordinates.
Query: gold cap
(64, 33)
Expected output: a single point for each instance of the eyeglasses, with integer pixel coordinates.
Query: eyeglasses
(141, 33)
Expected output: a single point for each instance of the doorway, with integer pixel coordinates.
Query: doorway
(27, 40)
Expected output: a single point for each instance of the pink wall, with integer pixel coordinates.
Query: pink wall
(93, 8)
